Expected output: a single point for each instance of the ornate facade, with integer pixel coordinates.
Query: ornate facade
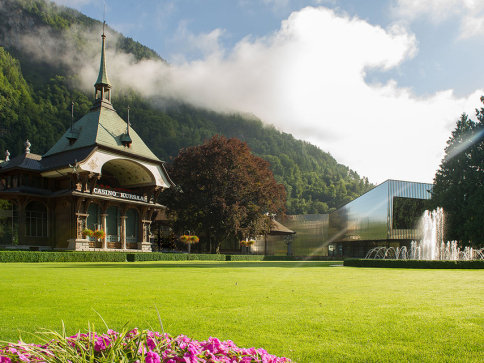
(100, 176)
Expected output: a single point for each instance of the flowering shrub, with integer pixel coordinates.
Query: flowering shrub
(188, 239)
(99, 234)
(135, 346)
(87, 232)
(194, 239)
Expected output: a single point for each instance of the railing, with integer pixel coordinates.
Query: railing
(112, 238)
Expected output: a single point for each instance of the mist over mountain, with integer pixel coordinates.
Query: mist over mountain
(49, 57)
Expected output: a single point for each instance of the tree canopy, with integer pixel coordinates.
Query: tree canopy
(459, 182)
(224, 191)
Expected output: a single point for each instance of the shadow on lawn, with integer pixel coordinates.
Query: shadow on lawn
(198, 264)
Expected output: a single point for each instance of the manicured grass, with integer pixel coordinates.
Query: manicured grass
(306, 311)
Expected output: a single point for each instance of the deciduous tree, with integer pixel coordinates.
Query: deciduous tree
(224, 190)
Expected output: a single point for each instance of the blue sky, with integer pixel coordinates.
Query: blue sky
(378, 84)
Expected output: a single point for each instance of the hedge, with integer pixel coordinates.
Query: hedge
(156, 256)
(36, 256)
(423, 264)
(245, 258)
(102, 256)
(207, 257)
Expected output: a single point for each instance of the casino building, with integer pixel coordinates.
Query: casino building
(99, 175)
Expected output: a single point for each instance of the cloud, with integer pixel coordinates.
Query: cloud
(307, 79)
(196, 46)
(470, 13)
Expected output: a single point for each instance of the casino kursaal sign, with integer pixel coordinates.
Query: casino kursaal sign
(120, 195)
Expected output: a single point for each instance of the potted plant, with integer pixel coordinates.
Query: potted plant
(194, 239)
(99, 234)
(247, 242)
(185, 238)
(87, 233)
(188, 240)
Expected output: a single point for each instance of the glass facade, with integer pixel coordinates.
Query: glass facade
(311, 236)
(386, 215)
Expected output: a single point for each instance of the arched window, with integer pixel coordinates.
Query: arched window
(93, 221)
(36, 220)
(132, 223)
(8, 222)
(112, 224)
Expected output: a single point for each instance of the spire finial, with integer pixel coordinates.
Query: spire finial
(102, 85)
(72, 115)
(128, 122)
(104, 18)
(125, 138)
(27, 146)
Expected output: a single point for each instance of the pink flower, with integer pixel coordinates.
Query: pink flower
(5, 360)
(24, 358)
(101, 343)
(151, 343)
(152, 357)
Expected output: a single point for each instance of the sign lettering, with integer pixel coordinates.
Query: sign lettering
(113, 193)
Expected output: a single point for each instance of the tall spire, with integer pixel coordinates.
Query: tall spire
(103, 75)
(102, 86)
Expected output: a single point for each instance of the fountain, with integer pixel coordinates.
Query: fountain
(432, 245)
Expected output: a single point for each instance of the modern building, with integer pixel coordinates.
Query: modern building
(388, 215)
(100, 175)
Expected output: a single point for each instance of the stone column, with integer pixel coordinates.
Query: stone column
(144, 245)
(123, 232)
(104, 244)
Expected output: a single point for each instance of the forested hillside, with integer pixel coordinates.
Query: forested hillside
(36, 96)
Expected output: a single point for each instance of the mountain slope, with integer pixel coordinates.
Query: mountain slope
(40, 82)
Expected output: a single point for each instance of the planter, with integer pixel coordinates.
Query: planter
(87, 233)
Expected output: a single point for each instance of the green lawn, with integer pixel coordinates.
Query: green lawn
(309, 312)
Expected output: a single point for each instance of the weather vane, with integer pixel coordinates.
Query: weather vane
(104, 17)
(75, 167)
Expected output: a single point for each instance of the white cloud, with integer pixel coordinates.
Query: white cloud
(204, 44)
(308, 79)
(470, 13)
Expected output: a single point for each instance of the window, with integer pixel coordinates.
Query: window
(8, 223)
(132, 222)
(407, 212)
(36, 220)
(93, 217)
(112, 224)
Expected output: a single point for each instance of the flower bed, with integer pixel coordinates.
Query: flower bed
(136, 346)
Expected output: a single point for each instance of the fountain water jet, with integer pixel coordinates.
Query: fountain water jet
(432, 245)
(432, 227)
